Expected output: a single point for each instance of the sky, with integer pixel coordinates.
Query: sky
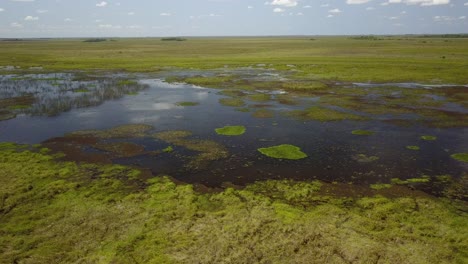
(159, 18)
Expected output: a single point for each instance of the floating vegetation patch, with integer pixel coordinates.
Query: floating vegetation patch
(122, 149)
(428, 138)
(284, 151)
(124, 131)
(286, 99)
(460, 156)
(211, 81)
(413, 147)
(243, 109)
(324, 114)
(187, 103)
(423, 179)
(234, 102)
(5, 115)
(233, 93)
(230, 130)
(208, 150)
(259, 97)
(168, 149)
(263, 113)
(363, 132)
(362, 158)
(380, 186)
(303, 85)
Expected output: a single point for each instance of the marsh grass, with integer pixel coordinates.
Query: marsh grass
(63, 212)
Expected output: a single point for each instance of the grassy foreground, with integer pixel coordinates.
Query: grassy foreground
(61, 212)
(391, 59)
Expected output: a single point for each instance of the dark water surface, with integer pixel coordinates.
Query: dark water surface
(62, 103)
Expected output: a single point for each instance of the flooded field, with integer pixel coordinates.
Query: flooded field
(352, 133)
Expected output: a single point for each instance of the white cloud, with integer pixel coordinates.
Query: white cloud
(462, 17)
(109, 26)
(393, 18)
(22, 0)
(16, 25)
(41, 11)
(370, 8)
(307, 6)
(330, 16)
(357, 2)
(250, 7)
(68, 19)
(1, 9)
(131, 13)
(286, 3)
(324, 5)
(420, 2)
(165, 14)
(299, 14)
(444, 18)
(335, 11)
(31, 18)
(102, 4)
(466, 4)
(278, 10)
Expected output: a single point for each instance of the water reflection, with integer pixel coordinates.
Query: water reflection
(52, 94)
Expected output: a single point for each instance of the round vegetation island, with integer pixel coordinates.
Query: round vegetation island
(284, 151)
(230, 130)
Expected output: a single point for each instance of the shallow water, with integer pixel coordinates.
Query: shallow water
(331, 147)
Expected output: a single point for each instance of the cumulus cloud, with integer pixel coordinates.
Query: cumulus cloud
(102, 4)
(31, 18)
(334, 11)
(68, 19)
(41, 11)
(109, 26)
(420, 2)
(250, 7)
(165, 14)
(1, 9)
(307, 6)
(131, 13)
(278, 10)
(357, 2)
(370, 8)
(286, 3)
(16, 25)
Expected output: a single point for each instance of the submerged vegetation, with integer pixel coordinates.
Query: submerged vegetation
(363, 132)
(230, 130)
(96, 213)
(460, 157)
(284, 151)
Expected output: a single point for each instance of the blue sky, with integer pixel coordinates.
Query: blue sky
(141, 18)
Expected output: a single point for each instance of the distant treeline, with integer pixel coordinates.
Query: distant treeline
(445, 36)
(173, 39)
(95, 40)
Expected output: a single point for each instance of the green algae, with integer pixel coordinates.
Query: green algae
(259, 97)
(413, 147)
(187, 103)
(123, 131)
(168, 149)
(64, 212)
(380, 186)
(428, 138)
(230, 130)
(323, 114)
(234, 102)
(460, 157)
(284, 151)
(363, 132)
(423, 179)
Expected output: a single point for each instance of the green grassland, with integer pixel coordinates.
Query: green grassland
(62, 212)
(393, 59)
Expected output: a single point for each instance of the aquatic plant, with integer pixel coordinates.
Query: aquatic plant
(460, 156)
(428, 138)
(230, 130)
(284, 151)
(65, 212)
(259, 97)
(126, 82)
(187, 103)
(413, 147)
(363, 132)
(234, 102)
(380, 186)
(123, 131)
(324, 114)
(423, 179)
(168, 149)
(121, 149)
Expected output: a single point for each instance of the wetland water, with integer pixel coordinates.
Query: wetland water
(45, 108)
